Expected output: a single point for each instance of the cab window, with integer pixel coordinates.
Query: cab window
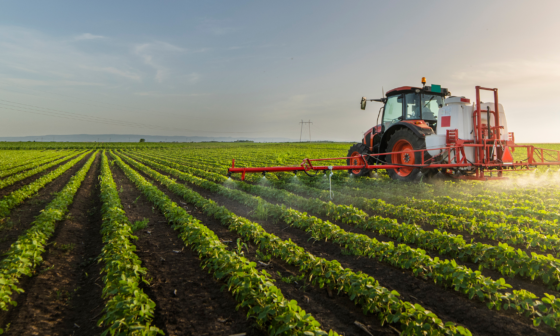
(393, 111)
(412, 108)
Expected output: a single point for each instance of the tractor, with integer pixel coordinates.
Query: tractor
(408, 115)
(424, 131)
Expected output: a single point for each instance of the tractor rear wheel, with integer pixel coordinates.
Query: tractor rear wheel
(355, 159)
(405, 142)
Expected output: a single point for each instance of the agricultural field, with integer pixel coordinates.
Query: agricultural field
(156, 239)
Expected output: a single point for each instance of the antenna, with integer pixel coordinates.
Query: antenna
(301, 129)
(382, 92)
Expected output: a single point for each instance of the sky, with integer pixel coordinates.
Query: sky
(257, 68)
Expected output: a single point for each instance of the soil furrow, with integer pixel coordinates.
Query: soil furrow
(35, 166)
(189, 301)
(332, 311)
(535, 286)
(26, 161)
(5, 191)
(56, 301)
(447, 304)
(22, 216)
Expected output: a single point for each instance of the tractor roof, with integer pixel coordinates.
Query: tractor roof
(405, 89)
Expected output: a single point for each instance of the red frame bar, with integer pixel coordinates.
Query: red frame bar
(457, 156)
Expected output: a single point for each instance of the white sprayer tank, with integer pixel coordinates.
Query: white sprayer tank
(456, 114)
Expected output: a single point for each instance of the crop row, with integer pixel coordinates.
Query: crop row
(429, 212)
(361, 288)
(16, 197)
(456, 189)
(443, 272)
(25, 254)
(540, 220)
(500, 232)
(391, 192)
(10, 159)
(507, 206)
(128, 310)
(18, 177)
(503, 258)
(33, 163)
(251, 288)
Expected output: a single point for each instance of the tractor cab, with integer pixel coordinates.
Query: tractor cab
(408, 115)
(412, 105)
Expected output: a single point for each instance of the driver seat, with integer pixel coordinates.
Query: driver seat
(427, 114)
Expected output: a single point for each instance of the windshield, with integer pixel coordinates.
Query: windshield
(430, 105)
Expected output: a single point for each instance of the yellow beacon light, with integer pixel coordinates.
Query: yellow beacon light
(424, 80)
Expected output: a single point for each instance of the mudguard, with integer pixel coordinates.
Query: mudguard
(418, 127)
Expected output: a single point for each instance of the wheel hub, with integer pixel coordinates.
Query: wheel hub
(404, 155)
(357, 160)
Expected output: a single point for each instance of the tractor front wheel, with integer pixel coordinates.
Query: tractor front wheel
(404, 142)
(355, 159)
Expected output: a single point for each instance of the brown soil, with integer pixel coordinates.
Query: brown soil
(58, 299)
(64, 295)
(475, 238)
(23, 215)
(446, 303)
(189, 301)
(337, 312)
(36, 159)
(517, 282)
(5, 191)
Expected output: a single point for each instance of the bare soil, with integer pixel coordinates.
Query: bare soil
(22, 216)
(446, 303)
(189, 301)
(64, 296)
(5, 191)
(517, 282)
(333, 312)
(59, 299)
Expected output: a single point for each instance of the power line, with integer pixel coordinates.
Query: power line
(75, 116)
(65, 117)
(27, 108)
(99, 104)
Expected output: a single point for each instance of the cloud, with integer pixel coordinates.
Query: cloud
(33, 55)
(38, 58)
(151, 54)
(8, 81)
(123, 73)
(167, 95)
(215, 27)
(512, 72)
(88, 36)
(193, 78)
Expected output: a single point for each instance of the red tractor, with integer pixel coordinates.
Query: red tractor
(408, 115)
(425, 130)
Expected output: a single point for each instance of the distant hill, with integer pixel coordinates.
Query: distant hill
(136, 138)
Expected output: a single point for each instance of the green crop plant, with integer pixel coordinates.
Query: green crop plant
(25, 254)
(252, 288)
(361, 288)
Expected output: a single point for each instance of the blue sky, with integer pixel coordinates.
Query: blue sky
(255, 69)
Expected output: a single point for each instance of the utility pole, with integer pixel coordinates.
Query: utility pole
(301, 130)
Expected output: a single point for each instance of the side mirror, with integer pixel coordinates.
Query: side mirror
(364, 103)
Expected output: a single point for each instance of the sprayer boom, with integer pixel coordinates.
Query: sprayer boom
(456, 161)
